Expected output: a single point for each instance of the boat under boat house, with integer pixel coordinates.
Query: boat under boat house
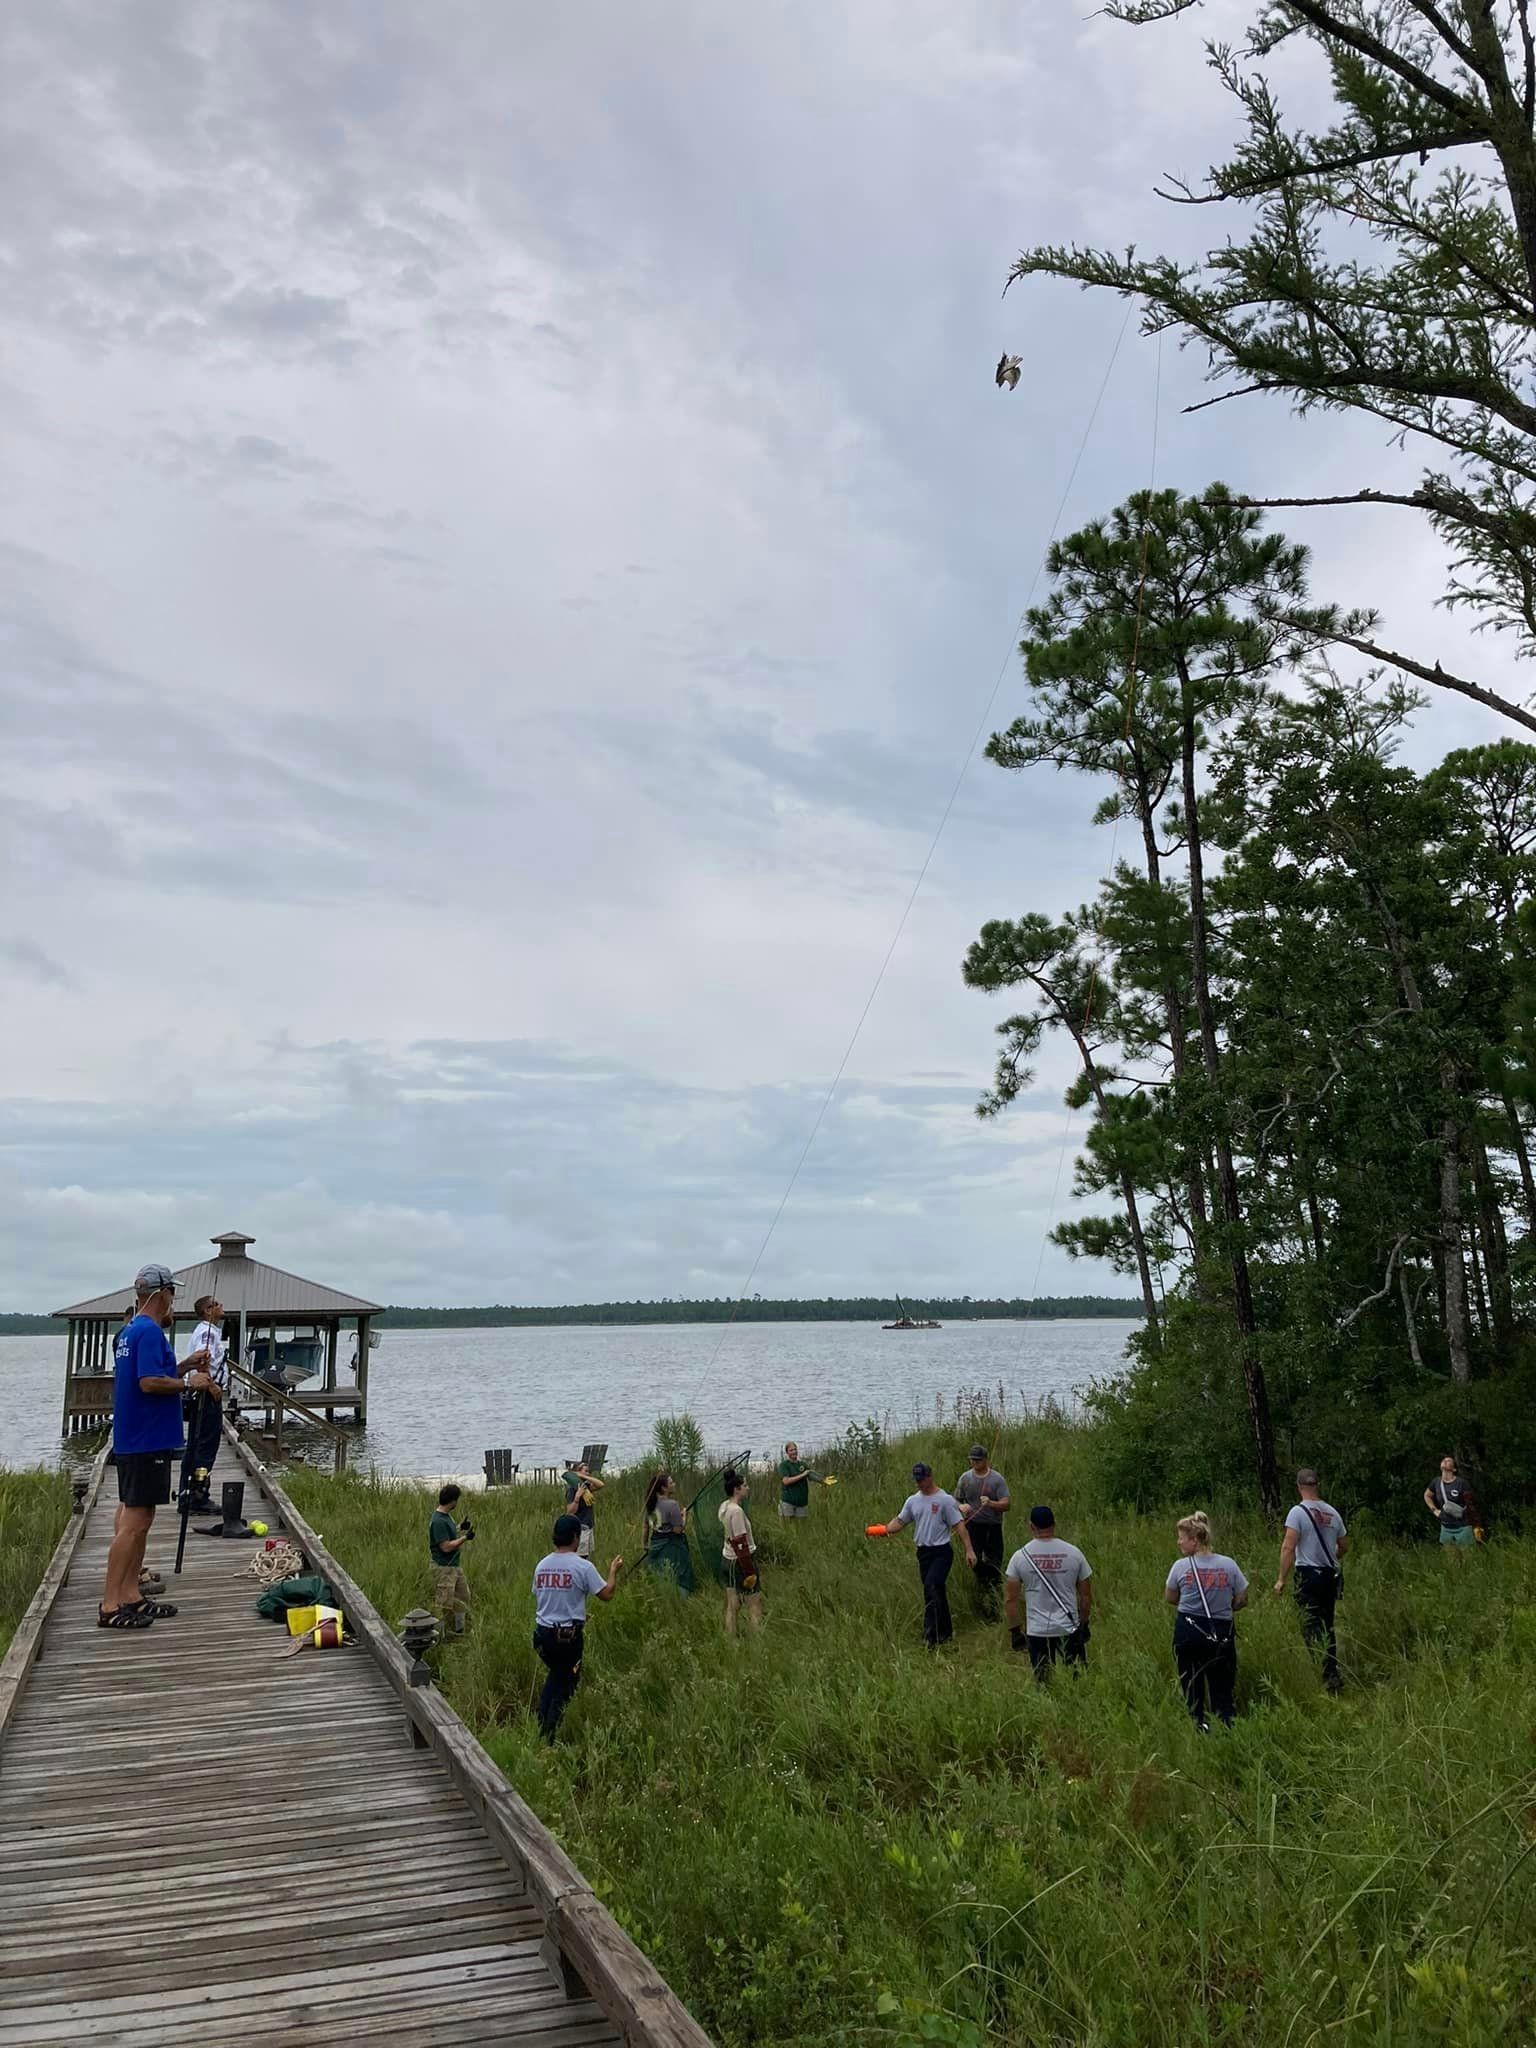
(274, 1323)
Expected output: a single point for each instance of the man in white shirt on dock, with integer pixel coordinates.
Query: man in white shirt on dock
(205, 1436)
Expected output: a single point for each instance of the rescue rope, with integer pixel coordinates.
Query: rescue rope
(922, 874)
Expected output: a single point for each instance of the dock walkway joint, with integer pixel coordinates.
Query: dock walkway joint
(205, 1838)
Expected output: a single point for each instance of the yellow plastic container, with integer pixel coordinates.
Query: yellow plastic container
(303, 1621)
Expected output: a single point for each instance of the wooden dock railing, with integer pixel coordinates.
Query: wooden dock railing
(25, 1647)
(280, 1398)
(583, 1943)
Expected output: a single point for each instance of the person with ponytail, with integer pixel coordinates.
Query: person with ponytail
(743, 1585)
(1206, 1589)
(666, 1534)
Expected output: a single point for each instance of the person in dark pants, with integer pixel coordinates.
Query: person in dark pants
(934, 1516)
(1207, 1589)
(1314, 1542)
(1055, 1581)
(205, 1420)
(562, 1584)
(983, 1497)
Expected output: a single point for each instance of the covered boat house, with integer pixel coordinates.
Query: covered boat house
(275, 1324)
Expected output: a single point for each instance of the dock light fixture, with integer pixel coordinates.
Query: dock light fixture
(79, 1488)
(419, 1632)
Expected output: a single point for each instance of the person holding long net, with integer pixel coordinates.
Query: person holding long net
(666, 1534)
(1206, 1589)
(743, 1584)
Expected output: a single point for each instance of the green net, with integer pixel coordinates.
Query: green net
(704, 1519)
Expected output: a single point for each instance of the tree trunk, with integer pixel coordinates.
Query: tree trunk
(1315, 1218)
(1173, 1011)
(1501, 1303)
(1450, 1265)
(1479, 1291)
(1408, 1315)
(1523, 1159)
(1457, 1335)
(1226, 1168)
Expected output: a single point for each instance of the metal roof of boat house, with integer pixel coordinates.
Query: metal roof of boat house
(241, 1283)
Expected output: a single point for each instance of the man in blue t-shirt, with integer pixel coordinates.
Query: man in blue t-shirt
(146, 1435)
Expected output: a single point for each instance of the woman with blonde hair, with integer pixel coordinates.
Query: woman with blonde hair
(1206, 1588)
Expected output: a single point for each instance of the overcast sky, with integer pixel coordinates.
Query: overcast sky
(508, 533)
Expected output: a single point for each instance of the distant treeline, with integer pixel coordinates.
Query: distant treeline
(865, 1309)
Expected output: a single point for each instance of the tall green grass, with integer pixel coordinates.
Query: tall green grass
(824, 1835)
(34, 1506)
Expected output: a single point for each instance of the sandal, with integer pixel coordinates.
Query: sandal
(151, 1583)
(124, 1617)
(157, 1610)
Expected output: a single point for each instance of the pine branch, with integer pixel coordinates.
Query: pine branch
(1374, 51)
(1420, 146)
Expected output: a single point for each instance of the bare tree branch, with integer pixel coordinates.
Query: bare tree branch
(1382, 1291)
(1440, 677)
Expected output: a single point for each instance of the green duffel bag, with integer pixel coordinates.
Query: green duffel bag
(309, 1591)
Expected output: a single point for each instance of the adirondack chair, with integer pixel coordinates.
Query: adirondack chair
(501, 1469)
(593, 1456)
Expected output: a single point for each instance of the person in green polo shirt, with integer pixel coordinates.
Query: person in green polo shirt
(794, 1485)
(447, 1538)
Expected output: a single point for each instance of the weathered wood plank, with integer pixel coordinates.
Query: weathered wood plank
(615, 1973)
(366, 1890)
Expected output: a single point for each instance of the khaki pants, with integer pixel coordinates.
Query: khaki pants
(450, 1589)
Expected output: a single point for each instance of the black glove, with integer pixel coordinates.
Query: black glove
(467, 1531)
(1018, 1639)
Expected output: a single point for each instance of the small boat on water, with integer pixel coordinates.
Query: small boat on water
(287, 1363)
(907, 1322)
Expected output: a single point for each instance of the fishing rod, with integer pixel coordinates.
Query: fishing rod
(189, 1477)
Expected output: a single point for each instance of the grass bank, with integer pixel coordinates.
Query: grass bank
(823, 1835)
(34, 1506)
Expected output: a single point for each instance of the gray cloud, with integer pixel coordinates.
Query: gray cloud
(29, 959)
(508, 536)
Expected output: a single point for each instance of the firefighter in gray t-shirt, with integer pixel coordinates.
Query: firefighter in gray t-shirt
(1055, 1582)
(983, 1497)
(1314, 1543)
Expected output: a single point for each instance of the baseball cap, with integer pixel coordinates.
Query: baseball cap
(151, 1279)
(978, 1451)
(1041, 1518)
(922, 1471)
(567, 1529)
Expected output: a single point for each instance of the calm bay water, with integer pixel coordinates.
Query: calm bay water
(439, 1398)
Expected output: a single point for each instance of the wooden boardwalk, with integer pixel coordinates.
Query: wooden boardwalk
(206, 1839)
